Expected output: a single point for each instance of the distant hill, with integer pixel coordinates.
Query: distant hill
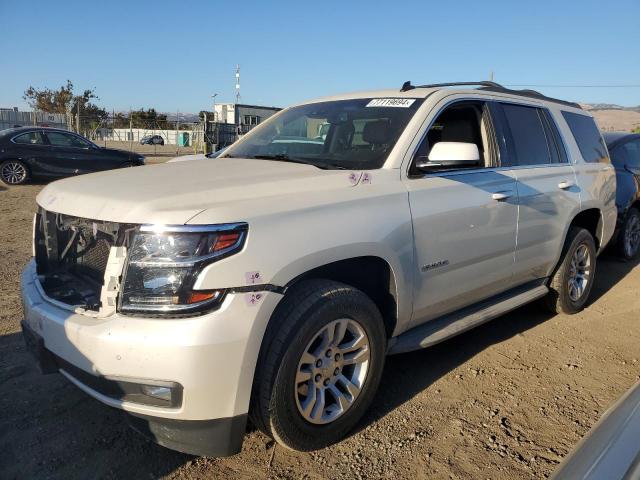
(611, 117)
(608, 106)
(184, 117)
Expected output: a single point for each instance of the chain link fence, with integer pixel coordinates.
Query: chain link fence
(157, 140)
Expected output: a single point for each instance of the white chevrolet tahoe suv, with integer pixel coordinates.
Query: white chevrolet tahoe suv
(271, 282)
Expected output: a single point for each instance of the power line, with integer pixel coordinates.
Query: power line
(574, 86)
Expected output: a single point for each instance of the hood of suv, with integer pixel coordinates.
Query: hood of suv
(173, 193)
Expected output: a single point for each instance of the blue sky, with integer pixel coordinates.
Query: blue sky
(174, 55)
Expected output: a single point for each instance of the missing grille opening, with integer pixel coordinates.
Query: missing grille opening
(72, 255)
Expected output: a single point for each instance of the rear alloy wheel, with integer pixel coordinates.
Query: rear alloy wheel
(573, 278)
(579, 273)
(14, 172)
(629, 241)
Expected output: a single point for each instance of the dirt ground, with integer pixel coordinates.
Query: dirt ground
(507, 400)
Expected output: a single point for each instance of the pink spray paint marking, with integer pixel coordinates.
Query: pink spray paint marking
(253, 299)
(252, 278)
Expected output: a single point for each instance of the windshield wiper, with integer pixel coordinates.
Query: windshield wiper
(281, 157)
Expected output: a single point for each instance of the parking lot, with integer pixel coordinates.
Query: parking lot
(507, 400)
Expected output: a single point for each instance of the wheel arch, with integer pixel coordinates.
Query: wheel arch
(591, 219)
(373, 275)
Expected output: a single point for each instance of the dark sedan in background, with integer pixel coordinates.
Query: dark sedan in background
(152, 140)
(624, 149)
(47, 153)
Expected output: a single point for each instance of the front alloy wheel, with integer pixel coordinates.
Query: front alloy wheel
(320, 364)
(332, 371)
(13, 172)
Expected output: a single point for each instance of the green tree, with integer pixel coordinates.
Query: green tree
(50, 101)
(149, 119)
(636, 130)
(64, 100)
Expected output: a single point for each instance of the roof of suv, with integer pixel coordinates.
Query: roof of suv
(422, 91)
(492, 87)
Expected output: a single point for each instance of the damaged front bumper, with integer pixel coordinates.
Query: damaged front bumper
(207, 360)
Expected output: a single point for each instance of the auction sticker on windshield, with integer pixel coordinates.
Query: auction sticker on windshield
(391, 102)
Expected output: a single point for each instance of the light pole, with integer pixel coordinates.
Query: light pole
(213, 98)
(215, 124)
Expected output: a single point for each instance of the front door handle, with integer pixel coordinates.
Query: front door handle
(499, 196)
(565, 185)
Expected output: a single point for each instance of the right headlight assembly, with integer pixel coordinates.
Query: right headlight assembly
(163, 264)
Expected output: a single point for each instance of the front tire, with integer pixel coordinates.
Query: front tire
(573, 278)
(14, 172)
(629, 236)
(320, 365)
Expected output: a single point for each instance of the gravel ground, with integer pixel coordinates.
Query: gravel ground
(507, 400)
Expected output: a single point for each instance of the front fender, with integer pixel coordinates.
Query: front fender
(288, 240)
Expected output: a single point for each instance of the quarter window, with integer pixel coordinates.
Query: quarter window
(530, 145)
(31, 138)
(587, 137)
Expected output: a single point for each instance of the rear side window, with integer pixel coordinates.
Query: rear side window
(588, 138)
(66, 140)
(529, 143)
(31, 138)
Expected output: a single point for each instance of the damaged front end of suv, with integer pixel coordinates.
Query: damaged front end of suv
(72, 257)
(102, 267)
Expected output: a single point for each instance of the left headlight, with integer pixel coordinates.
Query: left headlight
(164, 262)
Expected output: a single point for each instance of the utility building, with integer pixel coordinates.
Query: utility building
(245, 117)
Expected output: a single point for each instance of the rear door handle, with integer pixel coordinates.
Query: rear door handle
(498, 196)
(565, 185)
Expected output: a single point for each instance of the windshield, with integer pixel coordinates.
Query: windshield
(353, 134)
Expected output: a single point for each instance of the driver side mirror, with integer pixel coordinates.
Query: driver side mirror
(449, 155)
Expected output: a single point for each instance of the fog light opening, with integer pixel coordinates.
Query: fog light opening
(161, 393)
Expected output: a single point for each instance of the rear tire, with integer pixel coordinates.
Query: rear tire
(14, 172)
(322, 334)
(573, 278)
(628, 244)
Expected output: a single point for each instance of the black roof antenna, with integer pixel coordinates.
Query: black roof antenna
(406, 86)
